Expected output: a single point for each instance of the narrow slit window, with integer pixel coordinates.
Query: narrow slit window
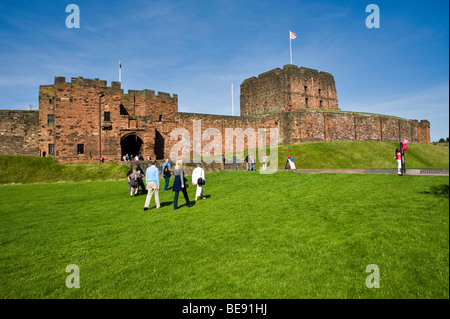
(50, 119)
(51, 149)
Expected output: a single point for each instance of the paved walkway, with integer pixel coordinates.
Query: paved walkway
(428, 171)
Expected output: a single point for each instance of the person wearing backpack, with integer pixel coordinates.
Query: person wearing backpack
(166, 173)
(198, 178)
(132, 181)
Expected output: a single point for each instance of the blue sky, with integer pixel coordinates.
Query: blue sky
(197, 48)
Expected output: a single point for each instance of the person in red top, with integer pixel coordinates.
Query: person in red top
(398, 157)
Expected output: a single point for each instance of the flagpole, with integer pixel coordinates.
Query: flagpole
(120, 71)
(290, 44)
(232, 100)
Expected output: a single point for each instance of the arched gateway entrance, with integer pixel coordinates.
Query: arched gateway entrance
(131, 144)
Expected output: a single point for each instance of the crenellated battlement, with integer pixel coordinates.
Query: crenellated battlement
(152, 93)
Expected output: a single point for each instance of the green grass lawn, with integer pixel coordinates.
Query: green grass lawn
(284, 235)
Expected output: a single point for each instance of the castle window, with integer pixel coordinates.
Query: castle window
(107, 116)
(50, 119)
(306, 102)
(320, 93)
(80, 148)
(321, 104)
(123, 111)
(160, 118)
(306, 90)
(51, 149)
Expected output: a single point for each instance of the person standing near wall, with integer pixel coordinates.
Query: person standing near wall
(179, 184)
(152, 180)
(265, 159)
(223, 161)
(250, 160)
(253, 163)
(198, 178)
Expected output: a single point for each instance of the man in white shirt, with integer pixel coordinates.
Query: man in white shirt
(198, 173)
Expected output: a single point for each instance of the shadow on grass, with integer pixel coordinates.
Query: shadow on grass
(439, 191)
(164, 204)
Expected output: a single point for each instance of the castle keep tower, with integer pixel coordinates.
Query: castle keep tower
(293, 87)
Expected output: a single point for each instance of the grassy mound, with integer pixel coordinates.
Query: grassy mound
(364, 155)
(324, 155)
(29, 169)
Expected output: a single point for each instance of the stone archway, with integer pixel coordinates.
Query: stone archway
(131, 144)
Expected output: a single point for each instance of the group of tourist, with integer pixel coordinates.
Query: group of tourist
(250, 162)
(180, 183)
(126, 158)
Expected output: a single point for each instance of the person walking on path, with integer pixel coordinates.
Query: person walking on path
(152, 180)
(198, 178)
(140, 178)
(179, 184)
(133, 183)
(166, 173)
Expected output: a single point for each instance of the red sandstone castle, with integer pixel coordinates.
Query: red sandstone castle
(84, 119)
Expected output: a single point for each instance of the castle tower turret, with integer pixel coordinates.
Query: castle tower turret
(288, 88)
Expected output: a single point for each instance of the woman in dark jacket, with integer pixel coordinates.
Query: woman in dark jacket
(179, 184)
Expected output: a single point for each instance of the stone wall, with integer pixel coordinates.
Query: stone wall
(19, 132)
(314, 125)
